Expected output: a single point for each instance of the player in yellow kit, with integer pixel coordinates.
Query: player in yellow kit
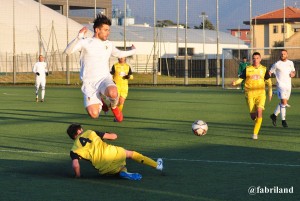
(107, 159)
(121, 72)
(256, 76)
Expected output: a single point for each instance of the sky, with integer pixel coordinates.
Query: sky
(232, 13)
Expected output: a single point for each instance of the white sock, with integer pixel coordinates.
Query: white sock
(277, 110)
(283, 111)
(43, 93)
(113, 102)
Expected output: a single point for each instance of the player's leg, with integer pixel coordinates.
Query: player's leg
(123, 92)
(284, 97)
(260, 106)
(93, 105)
(243, 85)
(140, 158)
(43, 86)
(110, 90)
(104, 106)
(112, 93)
(257, 123)
(121, 103)
(277, 109)
(283, 106)
(37, 86)
(118, 165)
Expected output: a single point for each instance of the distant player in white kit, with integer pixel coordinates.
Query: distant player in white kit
(95, 73)
(40, 70)
(284, 70)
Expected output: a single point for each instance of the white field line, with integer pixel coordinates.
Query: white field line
(169, 159)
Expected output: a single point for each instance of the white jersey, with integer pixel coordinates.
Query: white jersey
(41, 68)
(94, 57)
(282, 70)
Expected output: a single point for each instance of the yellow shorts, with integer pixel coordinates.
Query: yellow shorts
(255, 102)
(123, 91)
(118, 163)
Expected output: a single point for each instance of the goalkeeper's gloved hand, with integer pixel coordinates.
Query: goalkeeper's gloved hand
(38, 74)
(126, 77)
(47, 73)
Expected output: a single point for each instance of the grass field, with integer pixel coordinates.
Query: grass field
(223, 165)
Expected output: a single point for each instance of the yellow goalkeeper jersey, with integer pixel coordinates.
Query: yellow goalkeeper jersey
(89, 146)
(119, 71)
(255, 78)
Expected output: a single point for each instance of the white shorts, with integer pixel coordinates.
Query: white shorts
(40, 81)
(92, 91)
(283, 93)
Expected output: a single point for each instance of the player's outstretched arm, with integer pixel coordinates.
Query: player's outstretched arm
(76, 167)
(236, 82)
(73, 46)
(110, 136)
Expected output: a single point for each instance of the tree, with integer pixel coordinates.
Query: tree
(167, 23)
(208, 25)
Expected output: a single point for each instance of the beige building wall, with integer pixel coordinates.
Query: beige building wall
(264, 36)
(294, 41)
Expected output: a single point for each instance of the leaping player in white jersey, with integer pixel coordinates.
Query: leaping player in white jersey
(40, 70)
(284, 70)
(95, 73)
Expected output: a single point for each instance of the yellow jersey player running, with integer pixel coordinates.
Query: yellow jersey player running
(121, 72)
(107, 159)
(256, 76)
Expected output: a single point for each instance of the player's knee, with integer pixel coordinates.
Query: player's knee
(93, 114)
(112, 92)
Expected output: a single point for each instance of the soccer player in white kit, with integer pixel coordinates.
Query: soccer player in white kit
(40, 70)
(284, 70)
(95, 73)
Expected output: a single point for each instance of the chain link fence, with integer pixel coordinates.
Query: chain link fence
(185, 54)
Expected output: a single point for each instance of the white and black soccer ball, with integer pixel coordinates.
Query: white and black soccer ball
(199, 127)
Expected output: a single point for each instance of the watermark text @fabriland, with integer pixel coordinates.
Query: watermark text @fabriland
(253, 190)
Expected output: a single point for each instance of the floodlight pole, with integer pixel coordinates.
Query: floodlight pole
(154, 45)
(125, 16)
(186, 67)
(218, 56)
(204, 16)
(40, 28)
(95, 9)
(67, 57)
(14, 46)
(177, 31)
(251, 28)
(284, 30)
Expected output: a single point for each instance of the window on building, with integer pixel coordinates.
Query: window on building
(248, 34)
(237, 34)
(190, 51)
(275, 29)
(283, 30)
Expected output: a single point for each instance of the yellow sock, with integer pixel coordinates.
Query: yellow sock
(120, 107)
(143, 159)
(257, 125)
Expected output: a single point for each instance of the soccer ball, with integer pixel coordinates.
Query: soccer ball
(199, 127)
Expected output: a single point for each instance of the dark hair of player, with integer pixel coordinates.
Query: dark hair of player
(72, 130)
(256, 53)
(100, 20)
